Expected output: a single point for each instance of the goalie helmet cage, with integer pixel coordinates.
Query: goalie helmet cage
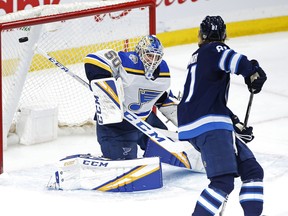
(67, 32)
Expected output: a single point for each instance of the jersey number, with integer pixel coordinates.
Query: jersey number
(113, 57)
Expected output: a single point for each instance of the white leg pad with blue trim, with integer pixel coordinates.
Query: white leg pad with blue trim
(84, 171)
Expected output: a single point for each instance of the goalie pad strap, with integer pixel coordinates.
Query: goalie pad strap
(109, 96)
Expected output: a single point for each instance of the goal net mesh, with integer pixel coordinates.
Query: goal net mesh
(29, 79)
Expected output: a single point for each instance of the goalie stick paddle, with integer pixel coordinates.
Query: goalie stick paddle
(174, 148)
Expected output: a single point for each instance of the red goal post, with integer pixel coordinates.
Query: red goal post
(68, 32)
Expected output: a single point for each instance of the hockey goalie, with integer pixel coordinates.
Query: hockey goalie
(126, 87)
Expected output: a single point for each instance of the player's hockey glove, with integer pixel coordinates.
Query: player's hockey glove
(244, 133)
(257, 79)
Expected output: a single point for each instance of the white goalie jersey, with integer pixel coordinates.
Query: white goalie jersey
(140, 94)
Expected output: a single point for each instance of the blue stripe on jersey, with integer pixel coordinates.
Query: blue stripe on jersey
(204, 124)
(229, 61)
(223, 60)
(235, 62)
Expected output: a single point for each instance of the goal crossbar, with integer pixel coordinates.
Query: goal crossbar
(81, 13)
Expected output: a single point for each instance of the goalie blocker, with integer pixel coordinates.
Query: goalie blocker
(109, 98)
(84, 171)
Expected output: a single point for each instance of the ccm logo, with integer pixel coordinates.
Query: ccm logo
(95, 163)
(143, 127)
(58, 64)
(98, 110)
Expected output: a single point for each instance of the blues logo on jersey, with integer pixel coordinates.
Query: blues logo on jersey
(145, 95)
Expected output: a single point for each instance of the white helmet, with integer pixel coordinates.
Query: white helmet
(150, 51)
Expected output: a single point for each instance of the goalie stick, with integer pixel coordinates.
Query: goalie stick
(175, 148)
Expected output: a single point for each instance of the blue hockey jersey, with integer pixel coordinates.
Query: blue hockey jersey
(204, 104)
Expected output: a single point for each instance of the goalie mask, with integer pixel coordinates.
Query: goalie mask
(150, 51)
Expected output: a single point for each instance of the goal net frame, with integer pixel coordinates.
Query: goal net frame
(32, 20)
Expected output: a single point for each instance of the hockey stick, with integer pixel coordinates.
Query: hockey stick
(253, 77)
(245, 125)
(248, 109)
(174, 148)
(168, 133)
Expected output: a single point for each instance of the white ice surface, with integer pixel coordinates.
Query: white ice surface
(27, 169)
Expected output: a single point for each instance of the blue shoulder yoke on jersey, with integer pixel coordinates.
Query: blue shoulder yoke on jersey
(132, 64)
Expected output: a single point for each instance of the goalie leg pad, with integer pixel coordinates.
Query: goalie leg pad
(193, 156)
(95, 173)
(108, 95)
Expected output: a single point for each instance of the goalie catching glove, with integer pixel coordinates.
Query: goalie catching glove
(169, 108)
(243, 133)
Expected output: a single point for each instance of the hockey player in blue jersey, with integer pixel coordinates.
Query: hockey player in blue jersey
(207, 123)
(145, 81)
